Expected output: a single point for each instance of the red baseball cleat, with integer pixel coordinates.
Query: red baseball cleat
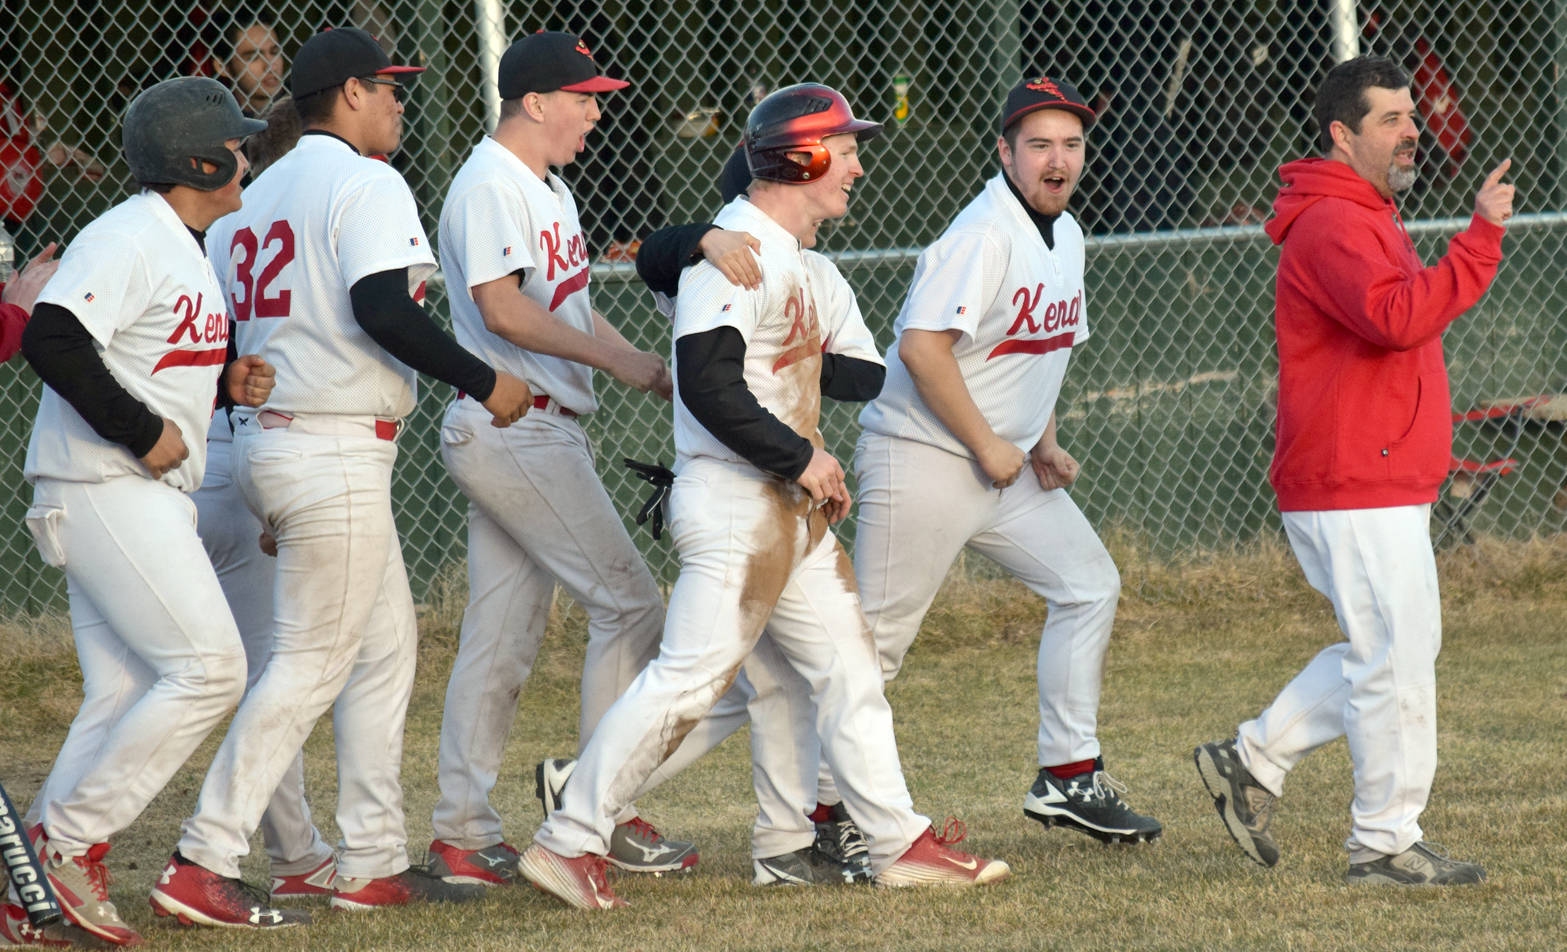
(575, 880)
(198, 896)
(491, 866)
(931, 862)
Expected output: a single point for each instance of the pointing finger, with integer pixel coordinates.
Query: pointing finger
(1498, 172)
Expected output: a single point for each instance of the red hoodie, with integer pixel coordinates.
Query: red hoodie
(1364, 411)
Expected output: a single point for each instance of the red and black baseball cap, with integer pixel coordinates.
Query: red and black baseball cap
(333, 57)
(545, 62)
(1041, 92)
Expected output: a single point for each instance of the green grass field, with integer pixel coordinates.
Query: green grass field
(1184, 668)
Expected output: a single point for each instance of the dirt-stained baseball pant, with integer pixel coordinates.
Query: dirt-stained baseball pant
(344, 638)
(1378, 687)
(161, 658)
(907, 540)
(752, 556)
(785, 751)
(231, 532)
(537, 514)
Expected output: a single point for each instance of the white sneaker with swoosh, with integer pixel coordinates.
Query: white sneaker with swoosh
(931, 862)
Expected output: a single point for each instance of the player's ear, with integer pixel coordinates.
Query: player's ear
(533, 105)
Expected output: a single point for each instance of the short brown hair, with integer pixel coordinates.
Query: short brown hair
(1342, 95)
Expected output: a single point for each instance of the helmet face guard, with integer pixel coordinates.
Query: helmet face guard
(180, 120)
(796, 119)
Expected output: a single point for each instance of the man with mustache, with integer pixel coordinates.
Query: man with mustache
(1364, 435)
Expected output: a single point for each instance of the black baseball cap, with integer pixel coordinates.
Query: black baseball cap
(735, 177)
(1041, 92)
(544, 62)
(333, 57)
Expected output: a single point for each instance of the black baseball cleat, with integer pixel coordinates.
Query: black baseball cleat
(808, 866)
(840, 840)
(1089, 802)
(549, 782)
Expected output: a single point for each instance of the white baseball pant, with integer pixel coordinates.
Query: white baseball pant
(344, 637)
(161, 658)
(230, 533)
(752, 555)
(537, 514)
(770, 695)
(919, 506)
(1378, 687)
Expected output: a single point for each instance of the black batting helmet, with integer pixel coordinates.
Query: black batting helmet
(797, 119)
(177, 120)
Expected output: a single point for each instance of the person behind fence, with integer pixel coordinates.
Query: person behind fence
(517, 275)
(18, 295)
(324, 269)
(1364, 436)
(247, 57)
(750, 513)
(131, 341)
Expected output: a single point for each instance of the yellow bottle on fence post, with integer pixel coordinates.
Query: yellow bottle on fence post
(900, 96)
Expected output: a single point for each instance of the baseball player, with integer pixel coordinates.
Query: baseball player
(1364, 436)
(968, 417)
(301, 861)
(321, 269)
(130, 338)
(517, 267)
(784, 739)
(750, 512)
(17, 298)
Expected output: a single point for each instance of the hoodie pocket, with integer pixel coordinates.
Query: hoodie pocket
(1425, 442)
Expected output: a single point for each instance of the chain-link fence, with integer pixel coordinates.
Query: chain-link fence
(1169, 408)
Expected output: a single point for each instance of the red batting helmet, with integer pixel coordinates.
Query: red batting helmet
(797, 119)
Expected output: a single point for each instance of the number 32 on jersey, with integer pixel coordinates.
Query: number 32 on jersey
(257, 265)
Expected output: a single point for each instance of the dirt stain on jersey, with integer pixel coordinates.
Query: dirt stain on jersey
(799, 368)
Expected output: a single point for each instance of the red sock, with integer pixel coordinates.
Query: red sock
(822, 813)
(1068, 771)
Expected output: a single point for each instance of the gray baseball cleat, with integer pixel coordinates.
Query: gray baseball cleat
(1245, 806)
(1421, 865)
(637, 847)
(807, 866)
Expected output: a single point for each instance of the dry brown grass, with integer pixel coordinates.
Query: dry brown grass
(1198, 647)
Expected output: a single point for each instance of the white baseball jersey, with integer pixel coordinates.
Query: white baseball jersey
(140, 284)
(313, 224)
(501, 219)
(1019, 305)
(803, 308)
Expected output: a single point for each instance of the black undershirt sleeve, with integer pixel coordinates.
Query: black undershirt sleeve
(850, 378)
(63, 354)
(383, 308)
(711, 367)
(666, 252)
(225, 399)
